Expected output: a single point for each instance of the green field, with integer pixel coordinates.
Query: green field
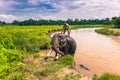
(18, 41)
(18, 44)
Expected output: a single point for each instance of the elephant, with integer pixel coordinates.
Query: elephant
(62, 44)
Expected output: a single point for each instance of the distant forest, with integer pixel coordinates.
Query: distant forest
(107, 21)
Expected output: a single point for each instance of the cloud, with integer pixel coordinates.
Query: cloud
(59, 9)
(7, 5)
(7, 18)
(37, 2)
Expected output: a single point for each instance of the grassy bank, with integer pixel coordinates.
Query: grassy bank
(107, 76)
(16, 42)
(35, 68)
(92, 26)
(109, 31)
(16, 62)
(29, 38)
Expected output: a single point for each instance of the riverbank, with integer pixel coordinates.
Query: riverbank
(109, 31)
(65, 73)
(19, 59)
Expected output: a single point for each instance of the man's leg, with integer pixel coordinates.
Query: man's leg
(68, 32)
(64, 31)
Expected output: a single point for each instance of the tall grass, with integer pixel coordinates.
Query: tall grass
(92, 26)
(108, 31)
(40, 70)
(107, 76)
(18, 41)
(32, 38)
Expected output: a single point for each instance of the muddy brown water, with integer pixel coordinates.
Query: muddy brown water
(96, 53)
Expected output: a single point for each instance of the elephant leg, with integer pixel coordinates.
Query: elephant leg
(49, 52)
(68, 32)
(60, 52)
(66, 50)
(56, 56)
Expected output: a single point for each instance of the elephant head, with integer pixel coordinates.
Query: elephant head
(57, 43)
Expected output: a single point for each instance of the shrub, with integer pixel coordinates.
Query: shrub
(117, 22)
(8, 43)
(107, 76)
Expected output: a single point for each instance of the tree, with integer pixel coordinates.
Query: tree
(69, 21)
(76, 21)
(117, 22)
(15, 22)
(2, 23)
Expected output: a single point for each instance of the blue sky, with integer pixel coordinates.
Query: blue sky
(58, 9)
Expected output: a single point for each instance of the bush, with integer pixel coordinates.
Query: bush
(8, 43)
(67, 60)
(108, 31)
(105, 31)
(15, 43)
(117, 22)
(107, 76)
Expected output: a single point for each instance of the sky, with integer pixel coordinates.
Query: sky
(58, 9)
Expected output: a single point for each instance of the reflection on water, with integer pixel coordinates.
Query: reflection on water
(98, 52)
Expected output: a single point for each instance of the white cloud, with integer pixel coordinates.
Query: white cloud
(7, 18)
(88, 9)
(82, 9)
(7, 5)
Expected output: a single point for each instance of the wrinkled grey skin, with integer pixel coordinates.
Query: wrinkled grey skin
(56, 44)
(68, 45)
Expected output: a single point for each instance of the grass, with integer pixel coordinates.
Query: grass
(18, 41)
(16, 44)
(109, 31)
(92, 26)
(69, 76)
(36, 68)
(32, 38)
(107, 76)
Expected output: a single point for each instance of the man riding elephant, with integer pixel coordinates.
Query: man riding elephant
(66, 27)
(62, 45)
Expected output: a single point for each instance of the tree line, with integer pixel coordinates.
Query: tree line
(108, 21)
(2, 23)
(61, 22)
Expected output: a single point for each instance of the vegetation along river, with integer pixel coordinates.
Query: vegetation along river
(96, 53)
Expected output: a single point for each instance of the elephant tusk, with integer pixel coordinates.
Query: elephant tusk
(49, 52)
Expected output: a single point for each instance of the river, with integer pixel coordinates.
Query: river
(96, 52)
